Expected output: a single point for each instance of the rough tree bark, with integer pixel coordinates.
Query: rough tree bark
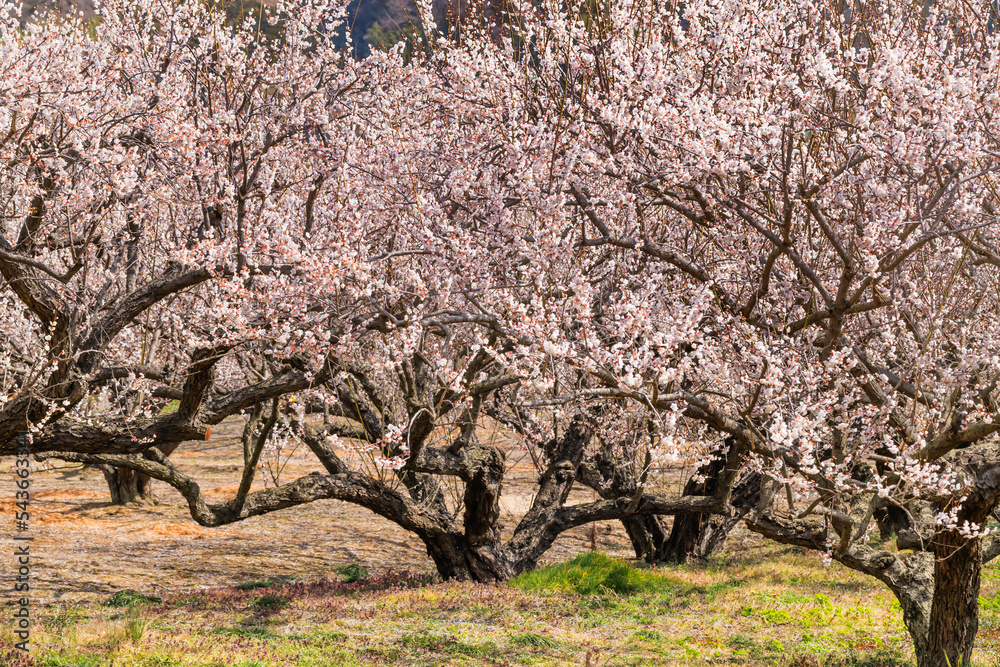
(697, 536)
(127, 486)
(455, 557)
(477, 553)
(954, 618)
(958, 560)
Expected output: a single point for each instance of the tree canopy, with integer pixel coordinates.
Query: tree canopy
(633, 236)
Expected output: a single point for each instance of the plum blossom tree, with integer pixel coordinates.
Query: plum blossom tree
(836, 192)
(116, 206)
(726, 234)
(817, 183)
(198, 216)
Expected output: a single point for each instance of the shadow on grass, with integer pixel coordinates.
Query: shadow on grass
(250, 594)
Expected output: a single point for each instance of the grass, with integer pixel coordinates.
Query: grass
(268, 602)
(531, 639)
(764, 606)
(351, 573)
(130, 598)
(252, 632)
(136, 628)
(595, 574)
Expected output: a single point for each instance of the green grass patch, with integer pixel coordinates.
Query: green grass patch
(991, 603)
(423, 640)
(130, 598)
(136, 627)
(158, 661)
(249, 632)
(254, 585)
(73, 660)
(64, 620)
(351, 573)
(880, 658)
(714, 590)
(483, 650)
(596, 574)
(533, 640)
(770, 616)
(327, 636)
(268, 601)
(648, 636)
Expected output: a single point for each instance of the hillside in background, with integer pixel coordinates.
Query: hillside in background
(378, 23)
(381, 23)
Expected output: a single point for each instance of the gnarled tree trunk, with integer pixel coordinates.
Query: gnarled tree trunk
(456, 558)
(647, 532)
(954, 618)
(941, 600)
(692, 534)
(696, 535)
(480, 549)
(128, 486)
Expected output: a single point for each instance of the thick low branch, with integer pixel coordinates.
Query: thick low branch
(238, 400)
(105, 375)
(119, 434)
(441, 461)
(347, 486)
(530, 541)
